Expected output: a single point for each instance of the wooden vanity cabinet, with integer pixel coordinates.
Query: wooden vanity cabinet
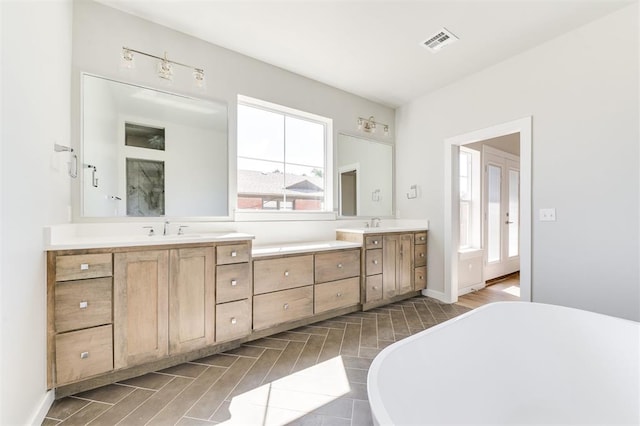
(233, 316)
(79, 336)
(393, 265)
(141, 307)
(191, 298)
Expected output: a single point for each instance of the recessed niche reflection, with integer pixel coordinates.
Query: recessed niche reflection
(144, 136)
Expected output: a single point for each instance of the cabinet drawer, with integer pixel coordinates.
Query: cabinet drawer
(373, 265)
(282, 306)
(337, 294)
(81, 266)
(283, 273)
(373, 242)
(233, 320)
(82, 304)
(420, 255)
(84, 353)
(232, 253)
(373, 288)
(421, 238)
(337, 265)
(420, 278)
(233, 282)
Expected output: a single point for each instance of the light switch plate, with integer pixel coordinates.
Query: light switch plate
(548, 215)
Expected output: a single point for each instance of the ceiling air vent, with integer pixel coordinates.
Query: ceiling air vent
(439, 40)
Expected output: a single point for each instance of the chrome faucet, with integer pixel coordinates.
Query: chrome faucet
(375, 222)
(166, 225)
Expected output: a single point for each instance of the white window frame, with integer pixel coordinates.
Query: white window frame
(475, 201)
(258, 215)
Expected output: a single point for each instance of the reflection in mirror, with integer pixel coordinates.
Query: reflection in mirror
(150, 153)
(365, 176)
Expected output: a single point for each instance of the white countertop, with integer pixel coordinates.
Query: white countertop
(302, 247)
(383, 229)
(87, 242)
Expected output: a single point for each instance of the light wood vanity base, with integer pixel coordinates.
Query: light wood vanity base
(124, 374)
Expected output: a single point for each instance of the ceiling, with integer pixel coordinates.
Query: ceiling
(373, 48)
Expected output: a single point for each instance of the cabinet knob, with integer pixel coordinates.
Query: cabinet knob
(421, 238)
(339, 294)
(84, 355)
(234, 253)
(421, 254)
(339, 265)
(375, 242)
(84, 304)
(286, 273)
(375, 262)
(84, 266)
(286, 306)
(375, 287)
(420, 277)
(234, 283)
(233, 321)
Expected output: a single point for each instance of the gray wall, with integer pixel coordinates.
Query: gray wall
(582, 91)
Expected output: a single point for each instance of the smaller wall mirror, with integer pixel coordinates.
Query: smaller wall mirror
(365, 177)
(147, 153)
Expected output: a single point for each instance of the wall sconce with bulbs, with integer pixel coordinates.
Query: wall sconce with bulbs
(370, 125)
(165, 65)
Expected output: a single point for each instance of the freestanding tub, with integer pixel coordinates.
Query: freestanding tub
(511, 363)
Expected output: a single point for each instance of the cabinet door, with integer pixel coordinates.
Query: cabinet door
(191, 299)
(140, 307)
(405, 273)
(397, 265)
(390, 253)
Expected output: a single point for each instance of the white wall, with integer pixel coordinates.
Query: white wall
(100, 33)
(582, 91)
(36, 58)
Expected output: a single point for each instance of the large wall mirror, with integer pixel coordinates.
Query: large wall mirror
(148, 153)
(365, 177)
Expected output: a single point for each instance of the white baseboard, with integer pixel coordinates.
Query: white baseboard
(463, 291)
(43, 409)
(435, 294)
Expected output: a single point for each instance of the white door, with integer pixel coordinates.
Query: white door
(501, 213)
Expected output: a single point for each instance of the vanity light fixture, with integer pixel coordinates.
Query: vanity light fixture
(165, 65)
(369, 125)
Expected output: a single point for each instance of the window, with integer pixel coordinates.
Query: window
(282, 158)
(469, 177)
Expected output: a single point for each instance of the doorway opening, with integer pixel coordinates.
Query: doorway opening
(349, 204)
(504, 245)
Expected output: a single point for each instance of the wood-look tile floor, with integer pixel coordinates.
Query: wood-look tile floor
(313, 375)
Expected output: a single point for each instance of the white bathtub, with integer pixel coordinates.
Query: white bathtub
(511, 363)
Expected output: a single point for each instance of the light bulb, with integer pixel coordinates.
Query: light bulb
(198, 75)
(126, 60)
(165, 70)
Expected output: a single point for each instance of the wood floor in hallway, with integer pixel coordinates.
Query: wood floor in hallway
(506, 289)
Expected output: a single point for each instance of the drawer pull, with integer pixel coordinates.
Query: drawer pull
(233, 320)
(374, 287)
(84, 304)
(84, 266)
(375, 242)
(339, 294)
(84, 355)
(375, 262)
(286, 306)
(234, 253)
(421, 238)
(234, 283)
(286, 273)
(421, 254)
(339, 265)
(420, 277)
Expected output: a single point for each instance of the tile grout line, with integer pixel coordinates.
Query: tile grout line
(232, 389)
(193, 379)
(274, 363)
